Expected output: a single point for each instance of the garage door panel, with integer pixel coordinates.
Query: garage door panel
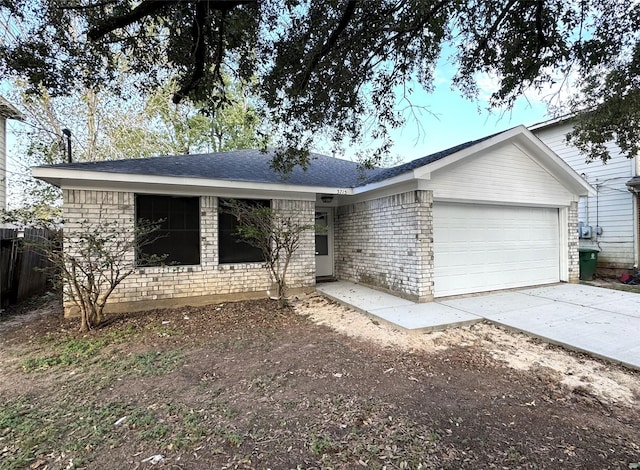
(482, 247)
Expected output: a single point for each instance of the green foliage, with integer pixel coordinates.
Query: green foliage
(97, 256)
(233, 438)
(104, 127)
(612, 101)
(39, 215)
(276, 235)
(321, 445)
(335, 68)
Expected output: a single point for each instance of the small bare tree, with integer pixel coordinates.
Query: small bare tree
(276, 235)
(97, 256)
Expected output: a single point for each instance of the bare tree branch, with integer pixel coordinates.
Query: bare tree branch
(89, 6)
(482, 44)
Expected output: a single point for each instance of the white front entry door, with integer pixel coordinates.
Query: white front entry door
(324, 242)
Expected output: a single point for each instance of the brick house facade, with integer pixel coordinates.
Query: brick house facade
(496, 213)
(208, 282)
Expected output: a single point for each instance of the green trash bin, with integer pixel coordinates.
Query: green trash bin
(588, 263)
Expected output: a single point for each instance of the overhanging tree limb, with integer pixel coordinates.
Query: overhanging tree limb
(311, 80)
(200, 38)
(143, 10)
(329, 44)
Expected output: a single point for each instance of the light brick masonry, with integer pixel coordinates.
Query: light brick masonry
(574, 259)
(209, 280)
(387, 243)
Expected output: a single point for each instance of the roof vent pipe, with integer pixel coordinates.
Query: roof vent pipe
(67, 134)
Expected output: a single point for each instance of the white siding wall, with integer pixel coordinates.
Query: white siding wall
(612, 208)
(3, 163)
(504, 175)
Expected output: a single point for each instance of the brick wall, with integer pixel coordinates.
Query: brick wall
(574, 260)
(206, 280)
(387, 243)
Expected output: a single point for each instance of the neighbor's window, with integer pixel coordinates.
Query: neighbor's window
(231, 248)
(178, 237)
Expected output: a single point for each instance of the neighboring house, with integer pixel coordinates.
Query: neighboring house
(495, 213)
(7, 111)
(608, 219)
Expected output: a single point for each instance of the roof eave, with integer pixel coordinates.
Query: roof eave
(401, 178)
(9, 111)
(555, 165)
(552, 122)
(425, 171)
(65, 177)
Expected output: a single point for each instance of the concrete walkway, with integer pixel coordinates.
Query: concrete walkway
(598, 321)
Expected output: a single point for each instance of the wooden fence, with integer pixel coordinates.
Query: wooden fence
(23, 270)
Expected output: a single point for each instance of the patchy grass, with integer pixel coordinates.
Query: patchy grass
(249, 386)
(146, 363)
(67, 353)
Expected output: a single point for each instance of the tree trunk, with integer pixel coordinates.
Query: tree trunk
(282, 297)
(84, 325)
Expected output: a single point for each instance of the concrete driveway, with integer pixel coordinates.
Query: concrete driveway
(598, 321)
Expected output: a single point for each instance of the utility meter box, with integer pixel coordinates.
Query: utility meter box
(584, 231)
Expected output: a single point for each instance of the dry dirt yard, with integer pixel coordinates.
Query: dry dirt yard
(317, 386)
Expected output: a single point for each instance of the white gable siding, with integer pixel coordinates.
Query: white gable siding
(503, 175)
(612, 208)
(3, 163)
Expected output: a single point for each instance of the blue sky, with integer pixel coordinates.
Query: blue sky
(456, 120)
(452, 119)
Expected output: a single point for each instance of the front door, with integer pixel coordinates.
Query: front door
(324, 242)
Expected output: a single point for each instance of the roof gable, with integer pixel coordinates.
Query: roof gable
(244, 168)
(503, 174)
(387, 173)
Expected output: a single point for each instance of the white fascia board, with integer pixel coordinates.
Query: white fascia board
(408, 176)
(424, 172)
(500, 202)
(551, 122)
(178, 190)
(389, 190)
(75, 179)
(550, 161)
(529, 144)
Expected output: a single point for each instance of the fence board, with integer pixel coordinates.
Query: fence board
(21, 265)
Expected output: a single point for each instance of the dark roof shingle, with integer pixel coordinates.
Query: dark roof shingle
(254, 166)
(238, 165)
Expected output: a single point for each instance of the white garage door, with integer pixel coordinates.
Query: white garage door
(482, 247)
